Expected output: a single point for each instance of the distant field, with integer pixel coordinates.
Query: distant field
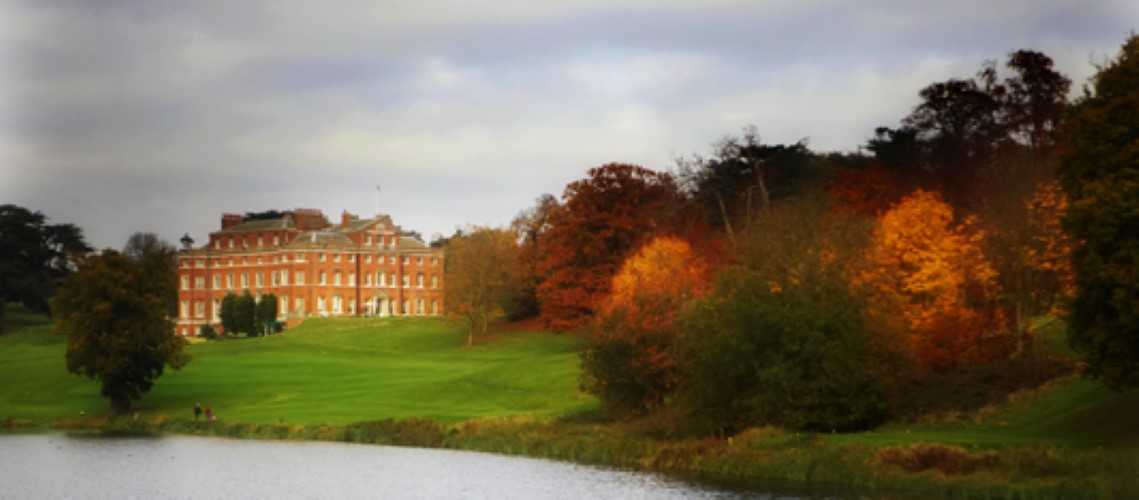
(324, 371)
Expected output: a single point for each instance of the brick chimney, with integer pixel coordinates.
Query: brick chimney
(230, 220)
(346, 218)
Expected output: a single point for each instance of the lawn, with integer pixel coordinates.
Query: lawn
(324, 371)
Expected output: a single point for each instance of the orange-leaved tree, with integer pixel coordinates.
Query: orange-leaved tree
(934, 271)
(602, 219)
(627, 362)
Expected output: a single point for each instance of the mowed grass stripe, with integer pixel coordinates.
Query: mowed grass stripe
(325, 371)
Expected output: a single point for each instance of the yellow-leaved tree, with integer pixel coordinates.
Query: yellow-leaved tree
(933, 269)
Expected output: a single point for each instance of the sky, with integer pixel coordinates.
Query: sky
(158, 116)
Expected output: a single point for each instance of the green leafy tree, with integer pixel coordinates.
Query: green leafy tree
(113, 313)
(245, 311)
(1101, 179)
(785, 339)
(228, 314)
(35, 257)
(265, 312)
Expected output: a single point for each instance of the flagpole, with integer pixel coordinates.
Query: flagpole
(377, 200)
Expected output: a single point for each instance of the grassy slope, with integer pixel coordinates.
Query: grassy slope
(325, 371)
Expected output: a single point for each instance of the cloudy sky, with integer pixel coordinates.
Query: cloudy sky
(124, 116)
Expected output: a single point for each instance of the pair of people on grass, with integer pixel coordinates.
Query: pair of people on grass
(210, 416)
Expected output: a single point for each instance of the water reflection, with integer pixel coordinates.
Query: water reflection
(66, 466)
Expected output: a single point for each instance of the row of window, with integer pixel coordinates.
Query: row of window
(324, 305)
(282, 277)
(300, 257)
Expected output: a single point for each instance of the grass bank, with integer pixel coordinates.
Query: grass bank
(412, 383)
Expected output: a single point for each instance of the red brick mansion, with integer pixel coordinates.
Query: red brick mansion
(313, 267)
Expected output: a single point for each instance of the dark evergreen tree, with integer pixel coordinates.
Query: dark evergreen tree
(1101, 178)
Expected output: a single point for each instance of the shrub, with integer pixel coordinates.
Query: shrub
(950, 460)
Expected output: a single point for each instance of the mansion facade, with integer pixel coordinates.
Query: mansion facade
(359, 267)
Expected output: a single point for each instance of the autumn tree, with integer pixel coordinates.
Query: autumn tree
(603, 218)
(118, 331)
(481, 277)
(785, 339)
(1101, 178)
(530, 227)
(627, 362)
(158, 259)
(933, 267)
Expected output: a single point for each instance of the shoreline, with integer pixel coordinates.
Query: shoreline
(749, 461)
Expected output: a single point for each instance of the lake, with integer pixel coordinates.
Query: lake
(93, 466)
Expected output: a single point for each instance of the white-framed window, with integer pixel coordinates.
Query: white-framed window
(260, 241)
(276, 279)
(300, 304)
(406, 281)
(217, 244)
(199, 309)
(419, 306)
(184, 309)
(320, 304)
(323, 278)
(419, 280)
(216, 312)
(391, 259)
(199, 282)
(419, 261)
(337, 304)
(244, 280)
(276, 241)
(217, 282)
(260, 279)
(285, 276)
(284, 305)
(300, 257)
(435, 261)
(391, 280)
(336, 278)
(351, 279)
(367, 259)
(435, 307)
(323, 258)
(229, 243)
(406, 260)
(300, 277)
(434, 281)
(229, 281)
(185, 282)
(336, 258)
(200, 263)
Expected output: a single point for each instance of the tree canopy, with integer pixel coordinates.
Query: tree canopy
(1101, 178)
(481, 276)
(113, 312)
(35, 257)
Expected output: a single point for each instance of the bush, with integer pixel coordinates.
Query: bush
(207, 332)
(950, 460)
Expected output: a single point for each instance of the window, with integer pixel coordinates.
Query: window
(434, 281)
(276, 279)
(336, 278)
(184, 310)
(419, 261)
(391, 280)
(435, 261)
(323, 278)
(435, 307)
(217, 244)
(391, 260)
(406, 260)
(260, 241)
(419, 280)
(200, 282)
(367, 259)
(320, 304)
(380, 279)
(285, 276)
(217, 282)
(368, 279)
(244, 280)
(406, 307)
(229, 281)
(284, 305)
(406, 281)
(337, 304)
(200, 263)
(229, 243)
(260, 279)
(300, 305)
(419, 306)
(216, 312)
(185, 282)
(336, 258)
(323, 258)
(276, 241)
(300, 278)
(351, 279)
(300, 257)
(199, 309)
